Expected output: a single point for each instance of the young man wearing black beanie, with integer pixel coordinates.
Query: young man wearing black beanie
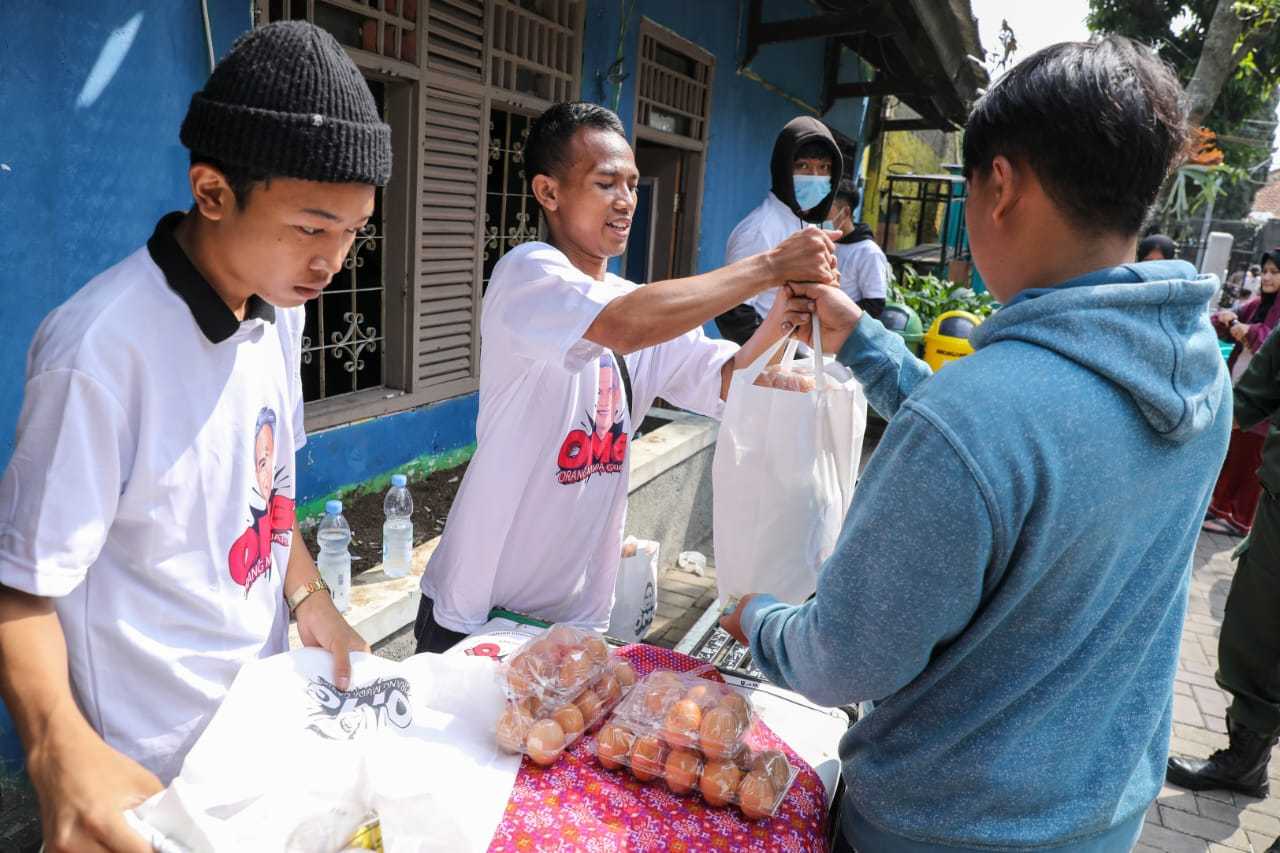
(148, 544)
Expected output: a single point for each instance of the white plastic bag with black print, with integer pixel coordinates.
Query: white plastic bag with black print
(635, 593)
(292, 763)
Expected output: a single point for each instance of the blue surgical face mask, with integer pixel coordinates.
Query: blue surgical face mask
(811, 189)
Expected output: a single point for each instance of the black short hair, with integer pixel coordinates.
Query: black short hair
(241, 180)
(849, 194)
(1167, 247)
(814, 149)
(546, 152)
(1100, 123)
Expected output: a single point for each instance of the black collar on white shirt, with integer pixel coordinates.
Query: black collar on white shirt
(211, 314)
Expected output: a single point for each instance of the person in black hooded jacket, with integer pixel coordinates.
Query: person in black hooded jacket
(806, 167)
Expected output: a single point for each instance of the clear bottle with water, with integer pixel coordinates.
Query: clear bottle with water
(334, 561)
(397, 530)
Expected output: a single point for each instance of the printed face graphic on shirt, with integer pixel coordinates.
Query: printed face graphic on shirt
(271, 509)
(608, 399)
(600, 445)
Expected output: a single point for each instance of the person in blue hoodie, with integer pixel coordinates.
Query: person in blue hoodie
(1011, 579)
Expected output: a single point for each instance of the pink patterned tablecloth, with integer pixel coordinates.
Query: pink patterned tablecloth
(577, 805)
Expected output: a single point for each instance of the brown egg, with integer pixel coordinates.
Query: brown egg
(772, 764)
(719, 782)
(656, 698)
(590, 706)
(575, 671)
(681, 770)
(664, 678)
(680, 728)
(570, 719)
(625, 674)
(608, 689)
(756, 796)
(613, 745)
(531, 707)
(544, 650)
(647, 758)
(511, 730)
(564, 635)
(738, 705)
(545, 742)
(596, 648)
(525, 674)
(720, 733)
(703, 695)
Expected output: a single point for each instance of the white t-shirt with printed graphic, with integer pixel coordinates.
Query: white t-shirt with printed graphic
(537, 523)
(151, 493)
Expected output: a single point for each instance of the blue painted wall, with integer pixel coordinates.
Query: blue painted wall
(89, 151)
(745, 116)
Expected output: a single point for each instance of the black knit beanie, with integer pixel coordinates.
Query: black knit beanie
(288, 102)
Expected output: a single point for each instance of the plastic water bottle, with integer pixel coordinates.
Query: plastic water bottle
(334, 561)
(397, 530)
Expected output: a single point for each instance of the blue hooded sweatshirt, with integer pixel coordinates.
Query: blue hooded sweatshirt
(1011, 579)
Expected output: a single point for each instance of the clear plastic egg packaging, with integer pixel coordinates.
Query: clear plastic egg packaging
(559, 685)
(690, 734)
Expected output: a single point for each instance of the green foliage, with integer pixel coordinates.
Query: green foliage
(930, 296)
(1245, 106)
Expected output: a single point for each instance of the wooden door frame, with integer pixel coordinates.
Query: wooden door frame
(693, 191)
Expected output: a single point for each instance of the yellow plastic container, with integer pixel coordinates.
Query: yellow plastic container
(948, 338)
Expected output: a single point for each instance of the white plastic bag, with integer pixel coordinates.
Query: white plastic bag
(635, 594)
(785, 466)
(291, 763)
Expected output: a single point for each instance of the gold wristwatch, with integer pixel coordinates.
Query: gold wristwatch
(299, 595)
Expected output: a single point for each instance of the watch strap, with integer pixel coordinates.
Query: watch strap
(299, 595)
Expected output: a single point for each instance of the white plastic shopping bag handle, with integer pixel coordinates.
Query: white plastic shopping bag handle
(819, 371)
(752, 373)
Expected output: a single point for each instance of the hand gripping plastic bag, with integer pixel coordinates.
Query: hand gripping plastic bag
(785, 466)
(289, 762)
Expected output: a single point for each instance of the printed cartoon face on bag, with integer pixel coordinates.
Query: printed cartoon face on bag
(599, 446)
(347, 714)
(271, 522)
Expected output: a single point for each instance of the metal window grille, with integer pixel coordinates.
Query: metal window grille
(511, 213)
(673, 91)
(386, 28)
(536, 48)
(343, 339)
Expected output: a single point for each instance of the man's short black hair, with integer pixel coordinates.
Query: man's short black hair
(1100, 123)
(547, 150)
(814, 149)
(1165, 245)
(849, 194)
(241, 180)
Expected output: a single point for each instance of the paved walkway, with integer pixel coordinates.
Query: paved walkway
(1185, 822)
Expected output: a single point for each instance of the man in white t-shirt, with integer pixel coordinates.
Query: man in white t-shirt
(805, 168)
(148, 540)
(864, 268)
(572, 357)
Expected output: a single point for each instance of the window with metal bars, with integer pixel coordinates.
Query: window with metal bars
(673, 89)
(387, 28)
(511, 213)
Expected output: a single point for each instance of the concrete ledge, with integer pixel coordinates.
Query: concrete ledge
(382, 606)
